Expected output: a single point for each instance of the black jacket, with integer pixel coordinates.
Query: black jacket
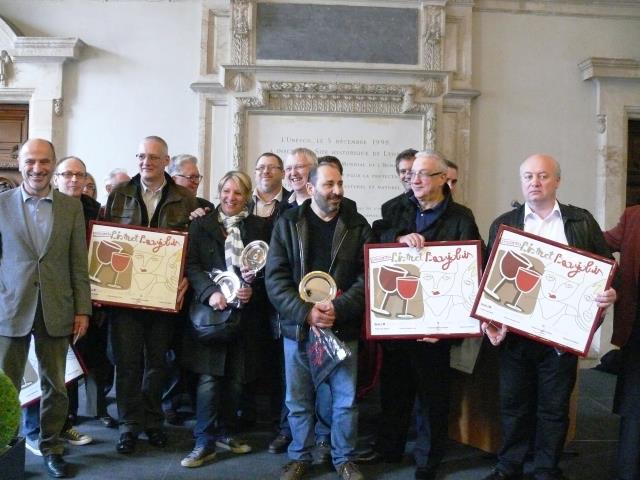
(206, 251)
(125, 205)
(455, 223)
(288, 262)
(580, 227)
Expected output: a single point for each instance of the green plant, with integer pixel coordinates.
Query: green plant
(9, 411)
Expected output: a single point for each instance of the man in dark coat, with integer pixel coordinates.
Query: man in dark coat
(625, 238)
(536, 380)
(299, 246)
(140, 339)
(425, 213)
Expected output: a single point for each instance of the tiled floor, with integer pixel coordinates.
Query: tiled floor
(589, 457)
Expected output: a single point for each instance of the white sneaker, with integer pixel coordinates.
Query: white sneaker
(33, 447)
(74, 437)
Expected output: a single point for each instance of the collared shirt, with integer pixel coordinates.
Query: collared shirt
(293, 198)
(551, 227)
(38, 213)
(265, 209)
(426, 218)
(151, 198)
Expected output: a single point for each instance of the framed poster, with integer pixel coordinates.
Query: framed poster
(543, 290)
(136, 267)
(428, 292)
(30, 388)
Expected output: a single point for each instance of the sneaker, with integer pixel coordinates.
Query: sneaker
(33, 447)
(323, 452)
(295, 470)
(199, 456)
(349, 471)
(233, 444)
(74, 437)
(279, 444)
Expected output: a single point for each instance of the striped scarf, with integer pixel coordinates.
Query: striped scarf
(233, 245)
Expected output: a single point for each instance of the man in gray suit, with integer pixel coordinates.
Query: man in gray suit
(44, 287)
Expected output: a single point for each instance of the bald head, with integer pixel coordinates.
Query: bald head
(36, 162)
(540, 179)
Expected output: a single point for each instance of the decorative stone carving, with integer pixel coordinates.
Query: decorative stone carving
(57, 106)
(601, 123)
(330, 97)
(432, 88)
(432, 38)
(240, 32)
(5, 60)
(241, 82)
(430, 128)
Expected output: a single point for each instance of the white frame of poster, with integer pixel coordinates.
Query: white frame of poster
(30, 388)
(435, 262)
(550, 291)
(155, 262)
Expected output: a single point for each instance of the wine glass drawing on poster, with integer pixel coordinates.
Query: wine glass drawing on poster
(387, 275)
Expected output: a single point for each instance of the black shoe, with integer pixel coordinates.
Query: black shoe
(323, 452)
(55, 465)
(108, 421)
(424, 473)
(279, 444)
(498, 475)
(127, 443)
(157, 437)
(371, 457)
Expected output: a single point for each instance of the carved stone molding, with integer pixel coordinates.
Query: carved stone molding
(241, 21)
(601, 123)
(5, 61)
(600, 67)
(330, 97)
(432, 36)
(58, 106)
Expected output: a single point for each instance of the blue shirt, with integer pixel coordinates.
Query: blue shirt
(38, 214)
(426, 218)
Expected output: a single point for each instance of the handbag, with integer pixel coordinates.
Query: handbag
(214, 326)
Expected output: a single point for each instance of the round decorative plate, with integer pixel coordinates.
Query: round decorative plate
(317, 287)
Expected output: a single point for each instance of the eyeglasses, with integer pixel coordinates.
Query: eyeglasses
(143, 156)
(70, 175)
(422, 175)
(297, 168)
(528, 177)
(404, 171)
(191, 178)
(267, 168)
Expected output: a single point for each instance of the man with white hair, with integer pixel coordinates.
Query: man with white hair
(426, 213)
(296, 171)
(115, 177)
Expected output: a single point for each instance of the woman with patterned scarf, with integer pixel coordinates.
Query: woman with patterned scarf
(216, 242)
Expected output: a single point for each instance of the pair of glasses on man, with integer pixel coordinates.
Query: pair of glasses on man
(191, 178)
(70, 175)
(267, 168)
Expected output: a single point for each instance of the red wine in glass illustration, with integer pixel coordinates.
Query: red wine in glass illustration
(509, 264)
(407, 288)
(119, 262)
(103, 254)
(387, 275)
(526, 280)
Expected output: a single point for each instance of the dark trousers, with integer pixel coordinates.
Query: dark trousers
(535, 390)
(627, 405)
(51, 353)
(140, 341)
(411, 370)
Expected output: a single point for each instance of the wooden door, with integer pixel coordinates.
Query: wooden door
(14, 131)
(633, 163)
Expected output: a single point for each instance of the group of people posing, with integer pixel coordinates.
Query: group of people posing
(45, 298)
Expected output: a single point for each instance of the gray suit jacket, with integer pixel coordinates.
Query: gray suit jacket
(59, 275)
